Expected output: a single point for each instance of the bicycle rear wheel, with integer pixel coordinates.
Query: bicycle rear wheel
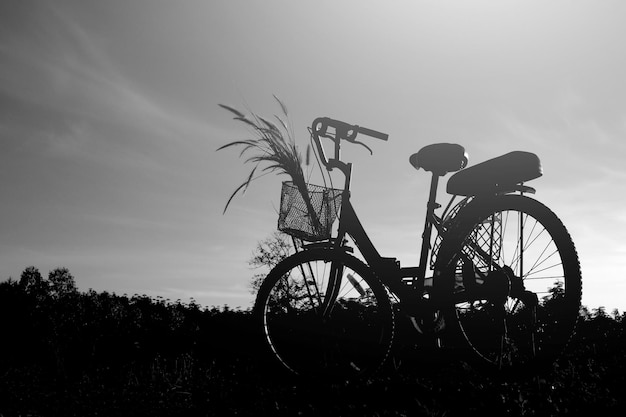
(325, 314)
(517, 282)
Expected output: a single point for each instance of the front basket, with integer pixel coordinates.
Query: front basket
(309, 217)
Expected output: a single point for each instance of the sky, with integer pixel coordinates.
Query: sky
(109, 125)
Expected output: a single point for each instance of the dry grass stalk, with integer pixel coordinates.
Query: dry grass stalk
(274, 146)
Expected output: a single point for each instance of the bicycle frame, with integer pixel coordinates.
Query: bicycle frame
(407, 282)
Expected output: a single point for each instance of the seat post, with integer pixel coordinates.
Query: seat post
(428, 225)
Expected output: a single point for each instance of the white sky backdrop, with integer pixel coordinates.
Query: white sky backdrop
(109, 124)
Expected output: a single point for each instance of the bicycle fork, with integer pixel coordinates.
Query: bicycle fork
(322, 300)
(332, 291)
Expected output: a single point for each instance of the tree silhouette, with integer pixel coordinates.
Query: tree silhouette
(268, 253)
(33, 283)
(61, 282)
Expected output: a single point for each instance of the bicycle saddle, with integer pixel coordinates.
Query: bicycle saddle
(495, 175)
(440, 158)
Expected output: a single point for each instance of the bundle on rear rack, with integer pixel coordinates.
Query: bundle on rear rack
(310, 219)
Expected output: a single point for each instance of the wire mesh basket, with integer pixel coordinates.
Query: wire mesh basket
(311, 217)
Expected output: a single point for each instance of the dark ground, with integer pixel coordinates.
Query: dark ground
(98, 354)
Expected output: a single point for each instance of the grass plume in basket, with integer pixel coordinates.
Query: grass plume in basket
(274, 147)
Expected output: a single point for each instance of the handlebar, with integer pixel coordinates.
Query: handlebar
(342, 130)
(372, 133)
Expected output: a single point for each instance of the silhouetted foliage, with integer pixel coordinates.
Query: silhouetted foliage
(88, 353)
(61, 283)
(269, 252)
(33, 283)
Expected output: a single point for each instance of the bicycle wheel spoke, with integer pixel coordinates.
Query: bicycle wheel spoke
(541, 260)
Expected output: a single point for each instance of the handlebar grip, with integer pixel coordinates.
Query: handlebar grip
(373, 133)
(320, 125)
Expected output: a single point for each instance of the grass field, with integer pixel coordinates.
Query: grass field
(88, 354)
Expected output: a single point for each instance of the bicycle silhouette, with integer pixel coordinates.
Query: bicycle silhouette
(506, 280)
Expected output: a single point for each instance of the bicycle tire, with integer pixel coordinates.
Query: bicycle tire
(316, 335)
(493, 308)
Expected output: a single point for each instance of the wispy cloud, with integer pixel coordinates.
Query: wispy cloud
(56, 65)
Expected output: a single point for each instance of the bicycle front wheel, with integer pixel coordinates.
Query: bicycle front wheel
(517, 282)
(325, 314)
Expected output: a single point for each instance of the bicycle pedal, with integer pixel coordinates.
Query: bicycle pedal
(428, 327)
(416, 325)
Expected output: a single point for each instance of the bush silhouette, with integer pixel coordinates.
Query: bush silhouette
(87, 353)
